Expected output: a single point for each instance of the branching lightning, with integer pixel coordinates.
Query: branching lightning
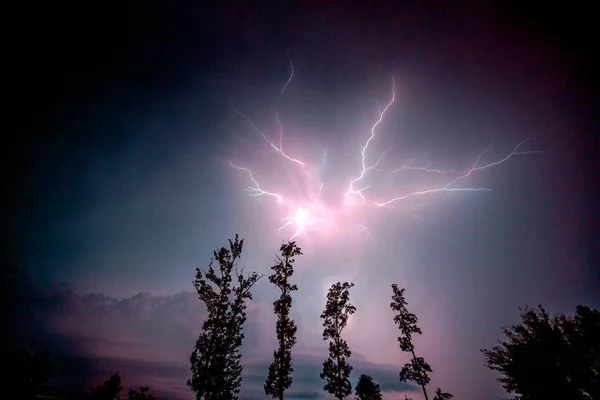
(448, 187)
(311, 211)
(255, 190)
(364, 148)
(273, 146)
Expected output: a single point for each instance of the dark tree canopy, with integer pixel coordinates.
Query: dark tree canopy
(439, 395)
(215, 361)
(547, 357)
(142, 394)
(109, 389)
(336, 369)
(279, 378)
(367, 389)
(417, 370)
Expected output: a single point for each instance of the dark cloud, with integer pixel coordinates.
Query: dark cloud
(149, 338)
(305, 395)
(308, 367)
(79, 374)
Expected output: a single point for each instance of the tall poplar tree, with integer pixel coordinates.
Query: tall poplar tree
(215, 361)
(417, 370)
(279, 378)
(336, 369)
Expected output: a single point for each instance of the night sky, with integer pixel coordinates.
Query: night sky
(121, 118)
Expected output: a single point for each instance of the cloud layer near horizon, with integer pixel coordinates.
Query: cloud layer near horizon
(149, 339)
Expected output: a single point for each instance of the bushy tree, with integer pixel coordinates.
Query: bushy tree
(109, 389)
(336, 369)
(417, 370)
(549, 357)
(215, 361)
(279, 378)
(367, 389)
(142, 394)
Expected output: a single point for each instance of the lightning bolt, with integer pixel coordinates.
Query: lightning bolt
(311, 211)
(278, 149)
(424, 169)
(363, 149)
(289, 79)
(448, 187)
(366, 231)
(255, 190)
(299, 218)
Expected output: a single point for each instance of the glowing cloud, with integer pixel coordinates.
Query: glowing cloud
(312, 212)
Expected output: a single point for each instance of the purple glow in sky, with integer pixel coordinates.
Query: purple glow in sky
(299, 194)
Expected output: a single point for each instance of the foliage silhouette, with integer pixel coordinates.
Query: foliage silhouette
(279, 378)
(367, 389)
(29, 371)
(336, 369)
(439, 395)
(215, 361)
(417, 370)
(141, 394)
(561, 350)
(109, 389)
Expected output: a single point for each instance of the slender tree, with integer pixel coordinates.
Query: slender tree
(417, 370)
(279, 378)
(215, 361)
(367, 389)
(336, 369)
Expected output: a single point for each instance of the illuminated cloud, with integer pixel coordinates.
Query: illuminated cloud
(308, 205)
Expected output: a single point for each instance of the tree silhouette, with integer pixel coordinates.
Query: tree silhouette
(215, 361)
(439, 395)
(141, 394)
(109, 389)
(279, 378)
(417, 370)
(336, 370)
(367, 389)
(561, 350)
(29, 371)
